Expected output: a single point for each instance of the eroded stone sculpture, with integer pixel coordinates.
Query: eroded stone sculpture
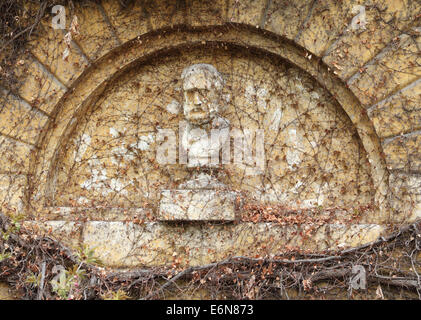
(204, 136)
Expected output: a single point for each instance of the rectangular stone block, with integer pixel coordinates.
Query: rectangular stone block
(357, 46)
(15, 156)
(96, 36)
(36, 85)
(197, 205)
(399, 114)
(286, 17)
(129, 22)
(48, 47)
(12, 192)
(95, 213)
(405, 196)
(167, 13)
(391, 71)
(18, 119)
(67, 232)
(246, 11)
(327, 21)
(206, 12)
(156, 244)
(403, 152)
(126, 244)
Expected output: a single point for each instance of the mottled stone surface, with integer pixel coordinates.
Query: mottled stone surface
(405, 194)
(286, 17)
(67, 231)
(127, 244)
(49, 47)
(19, 119)
(15, 155)
(355, 47)
(99, 38)
(197, 205)
(377, 81)
(404, 152)
(6, 292)
(399, 114)
(12, 192)
(40, 88)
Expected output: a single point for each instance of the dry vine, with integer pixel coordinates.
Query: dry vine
(31, 264)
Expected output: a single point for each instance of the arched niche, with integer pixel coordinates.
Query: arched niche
(97, 157)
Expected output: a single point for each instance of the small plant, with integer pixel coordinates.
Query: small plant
(15, 225)
(33, 279)
(115, 295)
(356, 212)
(67, 282)
(5, 255)
(87, 255)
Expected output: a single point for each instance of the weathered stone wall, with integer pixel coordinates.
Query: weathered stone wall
(339, 103)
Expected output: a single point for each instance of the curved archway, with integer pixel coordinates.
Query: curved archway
(101, 76)
(97, 77)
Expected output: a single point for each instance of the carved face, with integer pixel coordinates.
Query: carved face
(202, 85)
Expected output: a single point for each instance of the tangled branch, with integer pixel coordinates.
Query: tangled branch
(39, 267)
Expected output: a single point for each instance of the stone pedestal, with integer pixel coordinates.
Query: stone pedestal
(197, 205)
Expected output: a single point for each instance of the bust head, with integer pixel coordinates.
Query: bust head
(202, 86)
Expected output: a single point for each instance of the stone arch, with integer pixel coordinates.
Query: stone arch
(289, 52)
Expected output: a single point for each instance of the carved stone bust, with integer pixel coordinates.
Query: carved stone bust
(203, 105)
(201, 197)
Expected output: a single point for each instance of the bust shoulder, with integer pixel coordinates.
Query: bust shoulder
(220, 122)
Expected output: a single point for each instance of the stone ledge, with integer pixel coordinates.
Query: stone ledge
(94, 213)
(121, 244)
(67, 232)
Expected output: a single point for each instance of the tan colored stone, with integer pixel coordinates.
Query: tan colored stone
(6, 292)
(68, 232)
(114, 139)
(48, 46)
(403, 152)
(128, 22)
(399, 114)
(197, 205)
(12, 192)
(80, 213)
(96, 36)
(285, 18)
(165, 14)
(356, 47)
(207, 12)
(15, 156)
(120, 244)
(94, 78)
(405, 196)
(247, 11)
(37, 85)
(18, 119)
(327, 22)
(67, 118)
(389, 72)
(342, 236)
